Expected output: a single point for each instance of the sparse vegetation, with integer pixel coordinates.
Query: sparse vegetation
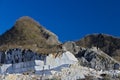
(28, 34)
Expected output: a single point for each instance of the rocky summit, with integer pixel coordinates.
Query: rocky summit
(28, 51)
(28, 34)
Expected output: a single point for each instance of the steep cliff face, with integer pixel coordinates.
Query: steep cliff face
(107, 43)
(20, 61)
(17, 55)
(27, 33)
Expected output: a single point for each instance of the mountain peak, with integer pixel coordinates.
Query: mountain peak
(27, 19)
(27, 32)
(26, 22)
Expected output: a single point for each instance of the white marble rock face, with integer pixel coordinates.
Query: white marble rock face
(19, 61)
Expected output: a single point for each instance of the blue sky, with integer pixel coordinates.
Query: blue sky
(69, 19)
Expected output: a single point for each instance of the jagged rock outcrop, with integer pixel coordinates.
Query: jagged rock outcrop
(109, 44)
(71, 46)
(28, 34)
(95, 58)
(91, 57)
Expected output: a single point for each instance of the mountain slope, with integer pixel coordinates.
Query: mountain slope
(27, 33)
(107, 43)
(95, 58)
